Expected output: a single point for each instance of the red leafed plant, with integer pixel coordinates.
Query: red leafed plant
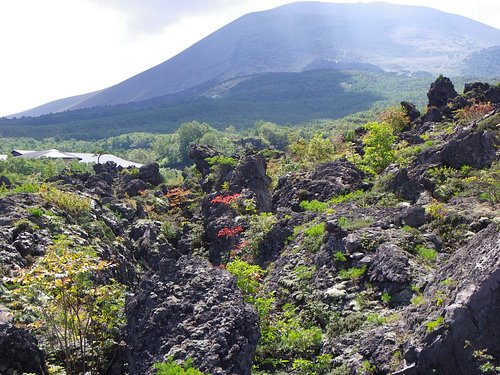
(226, 200)
(229, 232)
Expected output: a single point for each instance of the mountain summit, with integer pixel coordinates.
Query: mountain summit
(302, 36)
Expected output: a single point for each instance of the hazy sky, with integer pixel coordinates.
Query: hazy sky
(53, 49)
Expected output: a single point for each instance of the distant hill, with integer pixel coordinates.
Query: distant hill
(299, 37)
(485, 62)
(284, 98)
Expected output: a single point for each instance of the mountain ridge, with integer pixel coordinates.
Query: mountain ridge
(291, 37)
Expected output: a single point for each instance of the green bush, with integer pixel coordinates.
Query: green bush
(426, 253)
(35, 211)
(169, 367)
(378, 146)
(354, 224)
(316, 206)
(314, 236)
(353, 273)
(71, 203)
(434, 324)
(339, 256)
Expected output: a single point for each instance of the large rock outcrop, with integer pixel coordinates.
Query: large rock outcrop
(325, 182)
(440, 92)
(19, 352)
(470, 315)
(191, 309)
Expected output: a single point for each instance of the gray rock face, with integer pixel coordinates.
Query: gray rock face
(471, 314)
(411, 111)
(19, 353)
(134, 187)
(191, 309)
(325, 182)
(441, 90)
(251, 174)
(199, 154)
(150, 173)
(390, 265)
(475, 149)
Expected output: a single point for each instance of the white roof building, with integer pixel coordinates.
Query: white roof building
(81, 157)
(3, 157)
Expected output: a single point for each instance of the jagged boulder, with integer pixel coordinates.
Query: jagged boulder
(134, 187)
(109, 167)
(440, 91)
(411, 111)
(191, 309)
(251, 174)
(150, 173)
(389, 266)
(470, 315)
(482, 92)
(472, 148)
(326, 181)
(199, 154)
(19, 352)
(4, 181)
(216, 217)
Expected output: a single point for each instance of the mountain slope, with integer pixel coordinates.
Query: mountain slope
(294, 37)
(284, 98)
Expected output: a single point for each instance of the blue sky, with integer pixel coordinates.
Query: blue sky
(53, 49)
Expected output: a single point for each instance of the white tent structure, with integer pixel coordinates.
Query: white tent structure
(77, 156)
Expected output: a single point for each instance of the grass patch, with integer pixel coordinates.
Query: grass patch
(426, 253)
(353, 273)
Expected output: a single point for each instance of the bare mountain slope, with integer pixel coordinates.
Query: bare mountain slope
(293, 37)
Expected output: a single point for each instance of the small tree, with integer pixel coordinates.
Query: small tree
(78, 316)
(378, 146)
(317, 150)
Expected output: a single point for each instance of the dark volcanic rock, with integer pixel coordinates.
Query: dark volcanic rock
(403, 184)
(134, 187)
(411, 111)
(150, 173)
(191, 309)
(440, 91)
(475, 149)
(19, 352)
(433, 114)
(390, 265)
(251, 174)
(199, 154)
(471, 314)
(482, 92)
(108, 167)
(413, 216)
(325, 182)
(4, 180)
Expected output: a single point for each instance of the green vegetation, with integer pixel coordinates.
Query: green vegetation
(284, 98)
(339, 256)
(434, 324)
(354, 224)
(316, 206)
(71, 203)
(352, 273)
(78, 317)
(316, 150)
(314, 236)
(379, 146)
(426, 253)
(170, 367)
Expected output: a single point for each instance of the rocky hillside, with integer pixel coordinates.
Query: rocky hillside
(376, 253)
